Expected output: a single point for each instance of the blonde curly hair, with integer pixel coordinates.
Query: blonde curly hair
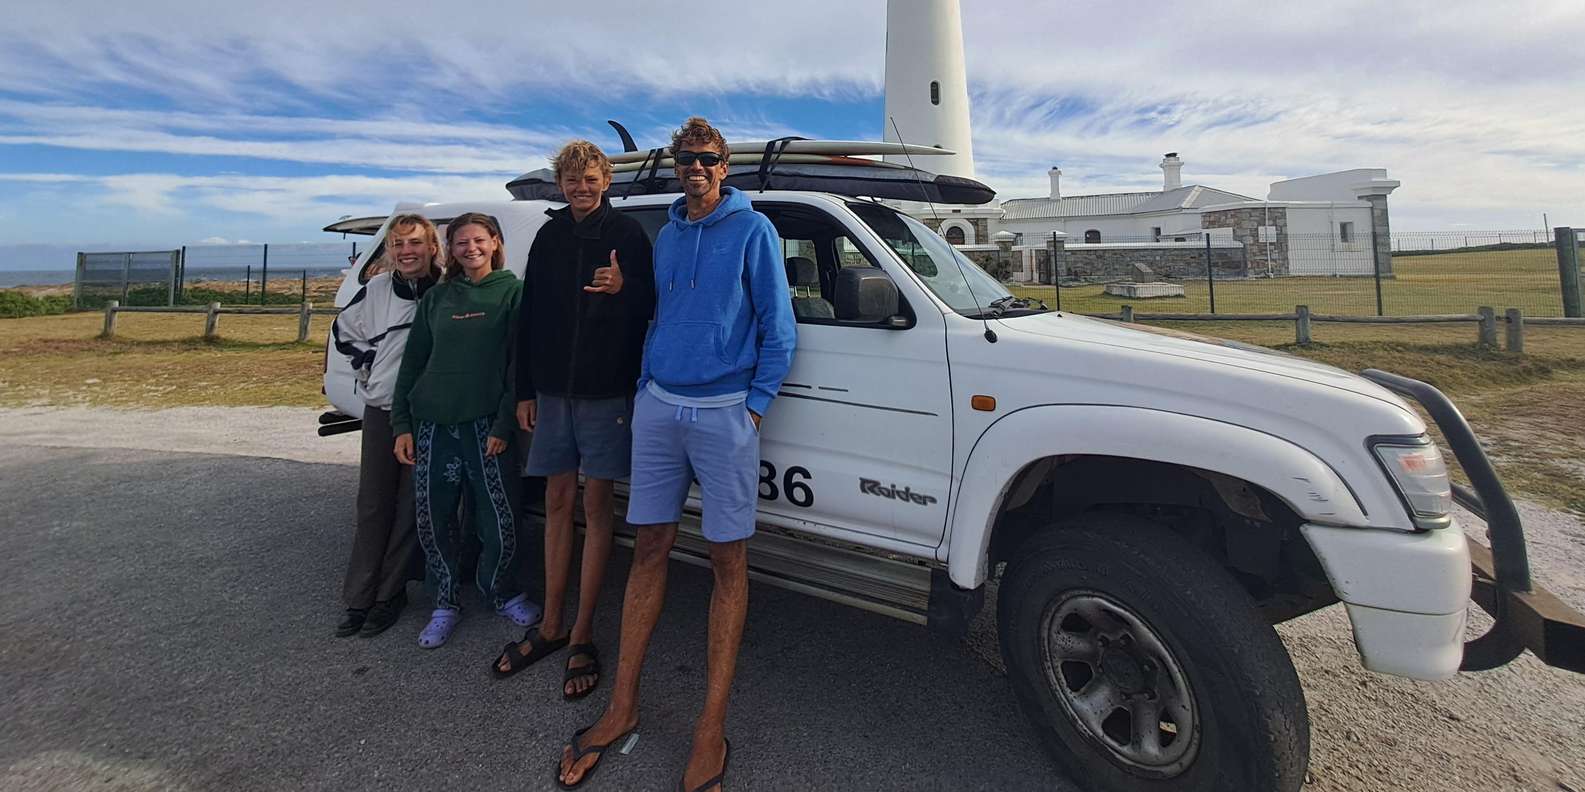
(577, 156)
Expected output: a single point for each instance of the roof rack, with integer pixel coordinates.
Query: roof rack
(847, 176)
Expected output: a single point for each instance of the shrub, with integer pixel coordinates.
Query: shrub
(15, 304)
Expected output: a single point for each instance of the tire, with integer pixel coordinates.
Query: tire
(1108, 622)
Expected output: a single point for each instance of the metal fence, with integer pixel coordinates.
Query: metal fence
(201, 274)
(1415, 273)
(132, 278)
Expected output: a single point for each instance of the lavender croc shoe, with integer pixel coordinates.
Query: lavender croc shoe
(521, 610)
(439, 628)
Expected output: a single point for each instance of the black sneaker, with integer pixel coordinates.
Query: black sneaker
(383, 615)
(351, 622)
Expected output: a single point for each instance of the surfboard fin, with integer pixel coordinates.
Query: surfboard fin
(627, 140)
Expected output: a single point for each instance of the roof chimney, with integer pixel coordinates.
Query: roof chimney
(1056, 182)
(1171, 171)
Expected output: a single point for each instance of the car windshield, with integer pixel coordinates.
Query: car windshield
(959, 282)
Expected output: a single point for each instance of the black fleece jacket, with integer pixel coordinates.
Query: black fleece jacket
(579, 344)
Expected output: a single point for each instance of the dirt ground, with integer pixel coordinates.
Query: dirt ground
(1521, 727)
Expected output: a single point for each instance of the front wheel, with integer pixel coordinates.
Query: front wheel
(1144, 666)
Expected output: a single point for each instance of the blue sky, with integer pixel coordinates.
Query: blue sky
(162, 123)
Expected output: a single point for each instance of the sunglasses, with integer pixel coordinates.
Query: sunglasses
(686, 159)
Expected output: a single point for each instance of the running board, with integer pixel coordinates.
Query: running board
(780, 558)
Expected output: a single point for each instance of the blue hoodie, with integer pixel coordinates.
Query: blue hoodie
(723, 315)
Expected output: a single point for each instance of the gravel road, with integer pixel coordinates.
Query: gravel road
(1521, 727)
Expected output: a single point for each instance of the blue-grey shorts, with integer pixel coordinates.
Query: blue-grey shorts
(590, 436)
(674, 445)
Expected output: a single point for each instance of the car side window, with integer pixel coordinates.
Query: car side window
(373, 265)
(815, 249)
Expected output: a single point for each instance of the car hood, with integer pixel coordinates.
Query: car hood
(1164, 341)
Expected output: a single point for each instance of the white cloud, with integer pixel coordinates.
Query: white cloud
(1465, 102)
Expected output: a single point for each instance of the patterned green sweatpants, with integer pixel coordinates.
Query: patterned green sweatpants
(450, 457)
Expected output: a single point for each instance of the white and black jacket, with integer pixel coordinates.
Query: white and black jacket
(372, 332)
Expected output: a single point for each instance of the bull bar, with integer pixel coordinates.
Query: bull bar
(1524, 616)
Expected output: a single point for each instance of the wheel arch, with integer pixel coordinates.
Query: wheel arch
(1125, 456)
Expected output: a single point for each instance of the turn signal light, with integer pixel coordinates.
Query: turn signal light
(983, 403)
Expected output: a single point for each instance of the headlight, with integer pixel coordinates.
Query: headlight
(1416, 466)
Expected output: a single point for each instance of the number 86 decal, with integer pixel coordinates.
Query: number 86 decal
(792, 483)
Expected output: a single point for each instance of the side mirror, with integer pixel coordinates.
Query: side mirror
(865, 294)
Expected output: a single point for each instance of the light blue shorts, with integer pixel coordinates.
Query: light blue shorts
(590, 436)
(674, 445)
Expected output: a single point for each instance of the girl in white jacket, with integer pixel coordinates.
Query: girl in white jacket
(372, 332)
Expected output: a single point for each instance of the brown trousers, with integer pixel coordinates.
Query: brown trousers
(385, 548)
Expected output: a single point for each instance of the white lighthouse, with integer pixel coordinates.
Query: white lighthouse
(927, 90)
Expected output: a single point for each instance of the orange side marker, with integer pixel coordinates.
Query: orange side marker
(983, 403)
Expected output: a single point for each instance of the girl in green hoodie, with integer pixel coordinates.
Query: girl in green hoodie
(455, 393)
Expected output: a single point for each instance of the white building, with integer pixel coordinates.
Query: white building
(1315, 225)
(1172, 211)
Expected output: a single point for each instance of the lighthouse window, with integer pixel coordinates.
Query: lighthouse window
(935, 92)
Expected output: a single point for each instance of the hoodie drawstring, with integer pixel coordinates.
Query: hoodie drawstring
(693, 270)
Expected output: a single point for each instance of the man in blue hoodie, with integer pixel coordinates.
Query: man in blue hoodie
(721, 343)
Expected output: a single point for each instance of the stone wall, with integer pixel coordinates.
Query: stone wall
(1246, 224)
(1381, 226)
(1170, 262)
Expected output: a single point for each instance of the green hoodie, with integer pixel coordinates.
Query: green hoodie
(456, 365)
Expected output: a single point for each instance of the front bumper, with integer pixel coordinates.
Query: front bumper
(1408, 612)
(1407, 595)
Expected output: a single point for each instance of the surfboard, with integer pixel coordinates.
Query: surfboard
(837, 148)
(855, 177)
(756, 157)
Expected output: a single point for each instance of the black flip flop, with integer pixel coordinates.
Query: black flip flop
(578, 672)
(538, 649)
(719, 778)
(578, 753)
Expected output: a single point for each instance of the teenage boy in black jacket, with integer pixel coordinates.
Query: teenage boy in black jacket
(588, 296)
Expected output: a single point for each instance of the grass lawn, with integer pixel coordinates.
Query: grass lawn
(1525, 408)
(160, 360)
(1451, 283)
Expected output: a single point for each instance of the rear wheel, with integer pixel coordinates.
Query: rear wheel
(1143, 665)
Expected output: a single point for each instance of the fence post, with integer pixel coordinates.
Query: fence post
(264, 275)
(126, 274)
(77, 285)
(110, 319)
(305, 285)
(1127, 313)
(305, 314)
(1056, 271)
(247, 285)
(1375, 265)
(1515, 331)
(212, 322)
(1568, 268)
(1301, 324)
(181, 274)
(1210, 272)
(170, 293)
(1488, 326)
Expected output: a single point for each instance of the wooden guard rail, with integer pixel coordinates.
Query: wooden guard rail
(1484, 317)
(305, 313)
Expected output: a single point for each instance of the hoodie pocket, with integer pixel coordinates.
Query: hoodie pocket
(687, 353)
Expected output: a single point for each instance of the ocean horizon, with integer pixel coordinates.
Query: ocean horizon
(65, 277)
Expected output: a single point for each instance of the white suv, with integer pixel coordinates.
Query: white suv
(1152, 501)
